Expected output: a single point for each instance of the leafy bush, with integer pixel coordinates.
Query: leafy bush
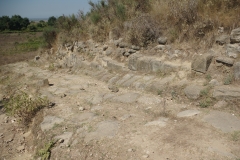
(67, 23)
(32, 27)
(41, 24)
(24, 107)
(95, 17)
(50, 35)
(121, 11)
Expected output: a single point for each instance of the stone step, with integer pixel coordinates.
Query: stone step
(107, 77)
(124, 79)
(130, 81)
(220, 92)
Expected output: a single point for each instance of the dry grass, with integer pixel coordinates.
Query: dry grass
(6, 59)
(142, 30)
(15, 47)
(193, 21)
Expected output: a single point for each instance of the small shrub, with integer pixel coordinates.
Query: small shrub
(205, 103)
(51, 67)
(228, 80)
(161, 73)
(184, 11)
(142, 30)
(95, 17)
(50, 35)
(159, 92)
(235, 136)
(121, 11)
(173, 34)
(206, 98)
(32, 27)
(174, 94)
(205, 92)
(45, 153)
(208, 77)
(24, 107)
(67, 23)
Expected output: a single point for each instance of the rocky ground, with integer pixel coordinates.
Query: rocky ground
(94, 120)
(118, 101)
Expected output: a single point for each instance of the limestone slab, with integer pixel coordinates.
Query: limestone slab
(126, 98)
(49, 122)
(188, 113)
(226, 122)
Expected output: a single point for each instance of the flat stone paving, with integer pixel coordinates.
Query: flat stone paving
(223, 121)
(188, 113)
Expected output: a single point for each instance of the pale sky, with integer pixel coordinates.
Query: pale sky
(43, 8)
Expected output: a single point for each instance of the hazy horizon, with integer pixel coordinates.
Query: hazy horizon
(43, 9)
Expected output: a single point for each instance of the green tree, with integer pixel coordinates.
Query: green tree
(52, 21)
(18, 23)
(39, 25)
(24, 23)
(15, 23)
(4, 23)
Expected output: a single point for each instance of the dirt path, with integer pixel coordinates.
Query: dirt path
(91, 122)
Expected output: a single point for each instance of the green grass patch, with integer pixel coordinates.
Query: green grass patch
(24, 106)
(45, 152)
(51, 67)
(205, 102)
(20, 42)
(23, 47)
(30, 45)
(205, 92)
(235, 136)
(206, 99)
(208, 78)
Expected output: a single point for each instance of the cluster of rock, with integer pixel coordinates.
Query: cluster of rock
(119, 55)
(231, 45)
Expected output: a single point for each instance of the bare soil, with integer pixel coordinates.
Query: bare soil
(91, 122)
